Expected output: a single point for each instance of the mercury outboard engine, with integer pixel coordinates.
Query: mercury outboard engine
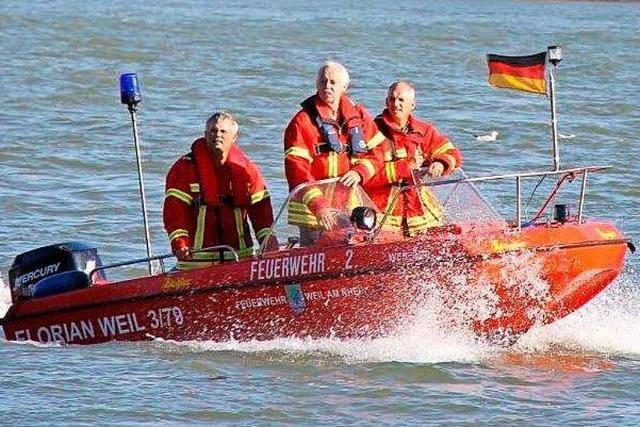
(53, 269)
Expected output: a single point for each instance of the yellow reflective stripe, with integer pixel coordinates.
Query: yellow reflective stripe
(388, 156)
(202, 214)
(416, 221)
(333, 164)
(375, 140)
(422, 223)
(368, 163)
(443, 148)
(430, 202)
(178, 232)
(401, 153)
(303, 219)
(204, 256)
(298, 207)
(214, 255)
(299, 152)
(191, 265)
(194, 187)
(237, 215)
(180, 195)
(310, 195)
(392, 194)
(260, 195)
(390, 170)
(262, 233)
(393, 223)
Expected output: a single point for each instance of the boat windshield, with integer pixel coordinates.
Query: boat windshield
(446, 201)
(299, 221)
(457, 201)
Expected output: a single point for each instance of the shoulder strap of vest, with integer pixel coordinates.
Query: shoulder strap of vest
(384, 128)
(382, 125)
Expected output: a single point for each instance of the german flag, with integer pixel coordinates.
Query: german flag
(518, 72)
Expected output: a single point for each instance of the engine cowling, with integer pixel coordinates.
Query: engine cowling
(53, 269)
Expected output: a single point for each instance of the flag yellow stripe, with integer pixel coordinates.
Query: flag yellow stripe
(519, 83)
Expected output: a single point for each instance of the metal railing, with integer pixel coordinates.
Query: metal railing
(161, 259)
(565, 175)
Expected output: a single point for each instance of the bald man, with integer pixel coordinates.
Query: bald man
(410, 144)
(331, 136)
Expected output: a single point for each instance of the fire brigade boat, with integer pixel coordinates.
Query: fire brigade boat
(357, 281)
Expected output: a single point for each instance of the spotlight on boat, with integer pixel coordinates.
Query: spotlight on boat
(130, 89)
(364, 218)
(560, 213)
(555, 54)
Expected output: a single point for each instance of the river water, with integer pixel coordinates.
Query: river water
(69, 174)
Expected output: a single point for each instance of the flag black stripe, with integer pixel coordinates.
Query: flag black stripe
(538, 58)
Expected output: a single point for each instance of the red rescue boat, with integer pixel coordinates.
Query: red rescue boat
(357, 281)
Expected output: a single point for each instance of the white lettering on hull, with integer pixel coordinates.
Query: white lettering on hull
(347, 291)
(280, 268)
(108, 327)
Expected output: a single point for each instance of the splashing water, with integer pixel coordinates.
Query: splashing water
(609, 324)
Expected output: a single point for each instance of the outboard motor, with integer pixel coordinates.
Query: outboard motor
(53, 269)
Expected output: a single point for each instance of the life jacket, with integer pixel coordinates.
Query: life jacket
(352, 120)
(210, 192)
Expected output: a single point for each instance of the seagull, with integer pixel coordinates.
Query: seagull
(567, 136)
(491, 136)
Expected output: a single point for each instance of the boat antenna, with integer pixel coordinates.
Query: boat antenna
(130, 96)
(555, 56)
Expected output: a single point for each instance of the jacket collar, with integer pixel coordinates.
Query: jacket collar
(414, 124)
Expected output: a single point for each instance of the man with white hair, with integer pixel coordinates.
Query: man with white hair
(211, 193)
(331, 136)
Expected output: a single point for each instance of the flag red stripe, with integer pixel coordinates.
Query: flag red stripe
(530, 71)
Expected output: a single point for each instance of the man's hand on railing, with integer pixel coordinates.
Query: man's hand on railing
(183, 254)
(350, 178)
(436, 169)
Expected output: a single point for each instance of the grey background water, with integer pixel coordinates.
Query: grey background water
(68, 172)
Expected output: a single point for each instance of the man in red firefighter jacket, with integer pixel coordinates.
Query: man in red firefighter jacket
(331, 136)
(210, 194)
(411, 143)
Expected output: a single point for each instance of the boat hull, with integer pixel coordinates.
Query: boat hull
(498, 281)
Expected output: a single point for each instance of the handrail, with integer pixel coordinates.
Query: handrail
(131, 262)
(577, 171)
(161, 258)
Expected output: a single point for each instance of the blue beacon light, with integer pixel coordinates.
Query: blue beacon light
(130, 89)
(130, 96)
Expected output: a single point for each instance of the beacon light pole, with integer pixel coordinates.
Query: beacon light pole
(130, 96)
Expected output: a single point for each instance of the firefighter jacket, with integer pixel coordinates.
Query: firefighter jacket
(208, 205)
(411, 210)
(316, 148)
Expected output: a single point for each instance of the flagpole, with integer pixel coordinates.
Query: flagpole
(555, 56)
